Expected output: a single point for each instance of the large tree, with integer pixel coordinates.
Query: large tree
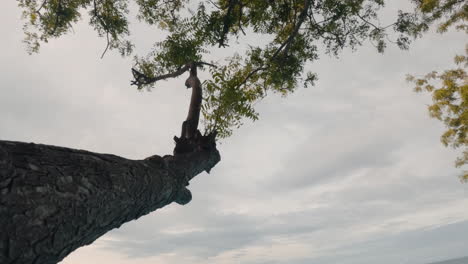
(54, 200)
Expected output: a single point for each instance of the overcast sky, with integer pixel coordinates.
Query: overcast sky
(350, 171)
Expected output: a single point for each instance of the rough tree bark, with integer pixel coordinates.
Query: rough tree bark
(54, 200)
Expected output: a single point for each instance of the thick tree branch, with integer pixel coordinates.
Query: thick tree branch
(54, 200)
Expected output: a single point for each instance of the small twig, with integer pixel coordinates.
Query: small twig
(217, 6)
(322, 31)
(250, 75)
(369, 23)
(42, 5)
(201, 63)
(107, 46)
(373, 25)
(104, 26)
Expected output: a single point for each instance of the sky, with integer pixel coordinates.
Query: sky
(350, 171)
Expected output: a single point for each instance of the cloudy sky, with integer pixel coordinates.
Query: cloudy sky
(350, 171)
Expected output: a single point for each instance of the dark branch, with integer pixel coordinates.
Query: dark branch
(140, 79)
(373, 25)
(214, 4)
(368, 22)
(202, 63)
(227, 22)
(107, 46)
(250, 75)
(322, 31)
(42, 5)
(57, 17)
(104, 26)
(284, 47)
(300, 20)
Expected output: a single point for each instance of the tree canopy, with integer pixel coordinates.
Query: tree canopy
(295, 33)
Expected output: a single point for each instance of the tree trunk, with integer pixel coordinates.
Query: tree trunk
(54, 200)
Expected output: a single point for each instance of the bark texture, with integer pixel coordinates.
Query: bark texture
(54, 199)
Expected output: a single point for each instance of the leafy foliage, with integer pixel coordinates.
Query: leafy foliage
(448, 13)
(52, 18)
(296, 29)
(450, 103)
(450, 88)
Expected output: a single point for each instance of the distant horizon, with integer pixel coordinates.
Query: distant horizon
(453, 261)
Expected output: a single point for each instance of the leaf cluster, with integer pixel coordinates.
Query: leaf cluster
(449, 91)
(447, 13)
(449, 88)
